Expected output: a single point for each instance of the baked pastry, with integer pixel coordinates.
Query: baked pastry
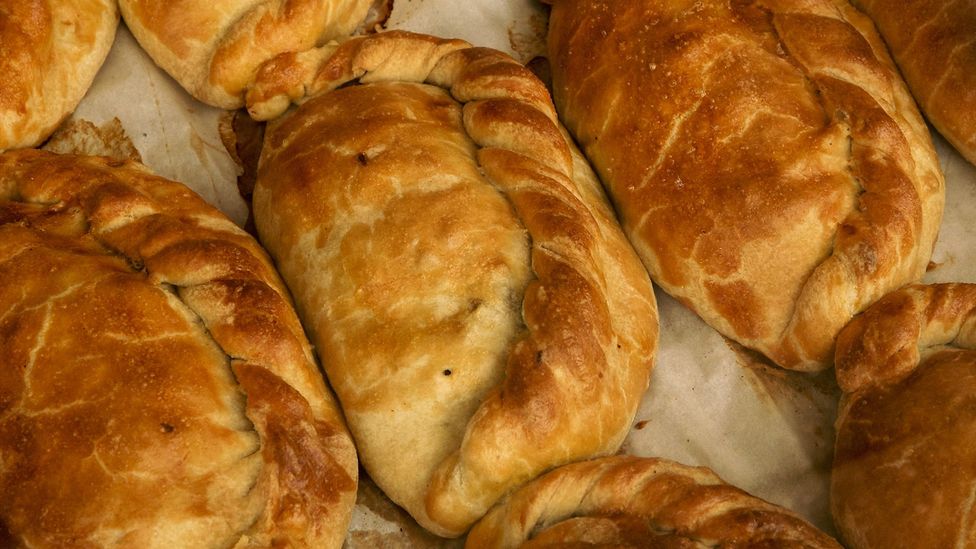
(214, 48)
(933, 43)
(905, 459)
(764, 158)
(627, 501)
(156, 388)
(50, 51)
(475, 305)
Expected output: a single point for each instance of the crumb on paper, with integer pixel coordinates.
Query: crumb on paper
(80, 136)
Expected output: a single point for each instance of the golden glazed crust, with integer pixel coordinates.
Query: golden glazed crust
(627, 501)
(213, 48)
(50, 51)
(156, 388)
(905, 459)
(934, 44)
(765, 159)
(476, 307)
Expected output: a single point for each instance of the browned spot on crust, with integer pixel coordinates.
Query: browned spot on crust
(309, 478)
(737, 303)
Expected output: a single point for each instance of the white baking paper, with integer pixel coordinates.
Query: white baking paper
(175, 135)
(954, 258)
(516, 27)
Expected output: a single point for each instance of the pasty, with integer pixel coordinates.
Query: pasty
(905, 459)
(764, 157)
(473, 301)
(156, 388)
(213, 48)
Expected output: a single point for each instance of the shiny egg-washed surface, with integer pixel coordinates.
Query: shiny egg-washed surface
(765, 158)
(156, 388)
(934, 43)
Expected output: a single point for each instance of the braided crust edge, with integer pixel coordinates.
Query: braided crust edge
(591, 329)
(885, 344)
(630, 501)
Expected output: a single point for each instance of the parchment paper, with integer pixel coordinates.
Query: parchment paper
(174, 134)
(710, 402)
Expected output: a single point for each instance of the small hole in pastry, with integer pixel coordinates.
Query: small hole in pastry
(362, 158)
(166, 427)
(448, 372)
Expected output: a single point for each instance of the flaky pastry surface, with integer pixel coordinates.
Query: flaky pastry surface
(905, 459)
(634, 502)
(156, 388)
(476, 307)
(213, 48)
(50, 51)
(764, 157)
(934, 44)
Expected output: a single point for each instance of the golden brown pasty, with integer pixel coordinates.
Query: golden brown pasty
(631, 502)
(764, 157)
(50, 51)
(934, 44)
(476, 307)
(156, 388)
(214, 47)
(905, 461)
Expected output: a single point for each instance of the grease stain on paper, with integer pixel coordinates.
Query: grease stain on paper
(796, 395)
(378, 522)
(528, 38)
(80, 136)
